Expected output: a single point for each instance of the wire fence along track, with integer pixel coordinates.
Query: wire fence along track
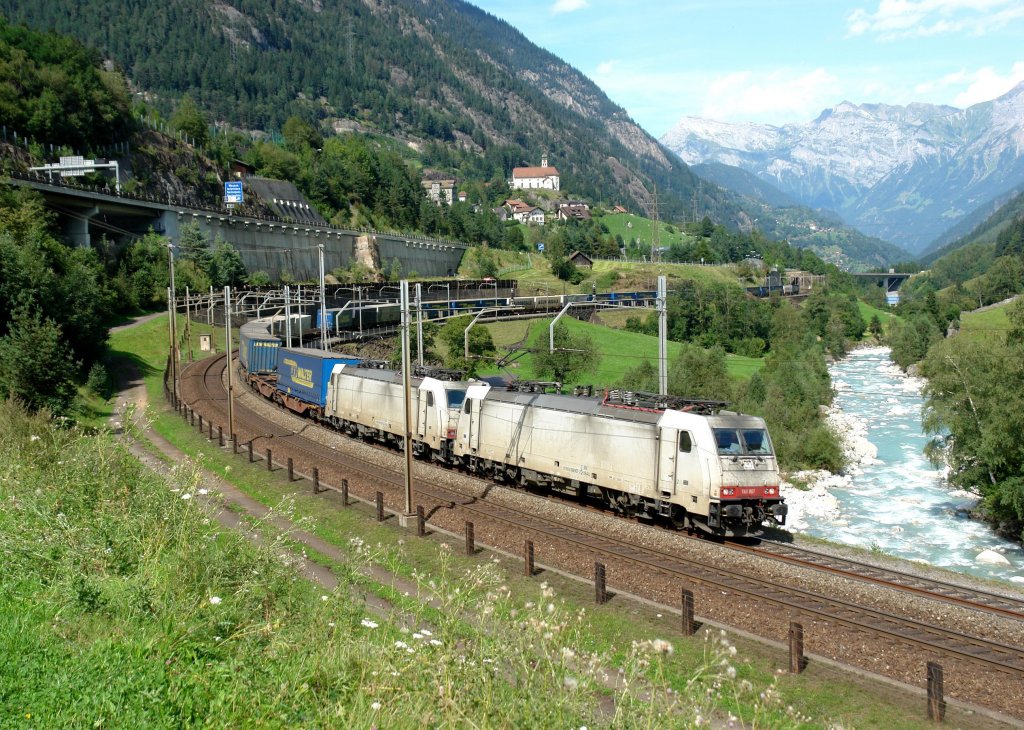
(203, 382)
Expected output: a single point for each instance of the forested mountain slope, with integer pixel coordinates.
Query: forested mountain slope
(439, 71)
(985, 224)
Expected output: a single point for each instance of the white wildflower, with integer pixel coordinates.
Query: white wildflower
(186, 497)
(375, 706)
(662, 647)
(368, 623)
(203, 491)
(33, 438)
(435, 642)
(214, 600)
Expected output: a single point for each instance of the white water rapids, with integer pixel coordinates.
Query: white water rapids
(892, 499)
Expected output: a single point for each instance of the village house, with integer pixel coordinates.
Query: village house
(524, 212)
(580, 260)
(529, 214)
(528, 178)
(440, 190)
(573, 211)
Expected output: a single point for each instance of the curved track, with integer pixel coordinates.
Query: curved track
(202, 388)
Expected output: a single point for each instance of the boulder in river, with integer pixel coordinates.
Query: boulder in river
(991, 557)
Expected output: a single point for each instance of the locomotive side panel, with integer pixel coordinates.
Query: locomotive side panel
(588, 448)
(369, 402)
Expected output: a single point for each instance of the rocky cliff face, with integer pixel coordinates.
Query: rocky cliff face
(904, 174)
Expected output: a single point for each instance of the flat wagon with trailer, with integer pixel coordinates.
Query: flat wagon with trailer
(303, 375)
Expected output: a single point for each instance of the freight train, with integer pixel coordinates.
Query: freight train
(689, 463)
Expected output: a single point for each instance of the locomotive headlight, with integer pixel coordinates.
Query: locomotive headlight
(728, 491)
(771, 491)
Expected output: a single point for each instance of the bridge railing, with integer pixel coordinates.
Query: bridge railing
(197, 206)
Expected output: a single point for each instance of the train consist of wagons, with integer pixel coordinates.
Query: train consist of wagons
(688, 463)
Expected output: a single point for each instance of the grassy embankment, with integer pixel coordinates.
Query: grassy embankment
(619, 350)
(631, 227)
(615, 276)
(867, 312)
(991, 323)
(109, 615)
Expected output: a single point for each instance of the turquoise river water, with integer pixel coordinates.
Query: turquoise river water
(897, 502)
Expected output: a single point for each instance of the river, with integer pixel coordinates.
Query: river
(894, 500)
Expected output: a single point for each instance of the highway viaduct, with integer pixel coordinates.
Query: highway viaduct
(275, 246)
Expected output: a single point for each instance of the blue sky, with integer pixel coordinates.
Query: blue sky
(777, 61)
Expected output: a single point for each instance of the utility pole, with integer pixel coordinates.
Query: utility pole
(407, 515)
(656, 232)
(323, 302)
(288, 315)
(227, 349)
(419, 324)
(662, 338)
(188, 323)
(172, 304)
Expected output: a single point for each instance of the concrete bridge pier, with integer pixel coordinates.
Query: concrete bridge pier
(75, 229)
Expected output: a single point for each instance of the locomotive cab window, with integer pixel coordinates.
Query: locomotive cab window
(430, 399)
(756, 441)
(749, 441)
(728, 441)
(455, 398)
(467, 405)
(685, 442)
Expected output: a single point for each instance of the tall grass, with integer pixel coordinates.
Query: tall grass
(123, 605)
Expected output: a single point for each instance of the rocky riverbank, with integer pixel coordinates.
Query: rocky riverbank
(889, 497)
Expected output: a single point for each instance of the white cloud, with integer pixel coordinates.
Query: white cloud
(661, 97)
(964, 88)
(774, 97)
(986, 83)
(568, 6)
(895, 19)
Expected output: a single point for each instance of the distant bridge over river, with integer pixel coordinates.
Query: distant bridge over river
(891, 281)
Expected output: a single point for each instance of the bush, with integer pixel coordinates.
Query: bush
(98, 381)
(821, 449)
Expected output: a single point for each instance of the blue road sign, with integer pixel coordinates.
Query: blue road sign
(540, 246)
(233, 192)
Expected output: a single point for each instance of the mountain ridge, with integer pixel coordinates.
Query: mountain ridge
(901, 173)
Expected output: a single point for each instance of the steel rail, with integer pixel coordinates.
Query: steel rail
(1002, 658)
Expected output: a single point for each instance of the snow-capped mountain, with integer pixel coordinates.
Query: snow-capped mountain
(901, 173)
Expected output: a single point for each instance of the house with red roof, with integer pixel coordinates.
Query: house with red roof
(531, 178)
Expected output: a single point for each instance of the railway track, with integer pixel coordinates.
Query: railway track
(202, 388)
(974, 599)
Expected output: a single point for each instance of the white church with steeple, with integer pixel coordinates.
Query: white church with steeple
(544, 177)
